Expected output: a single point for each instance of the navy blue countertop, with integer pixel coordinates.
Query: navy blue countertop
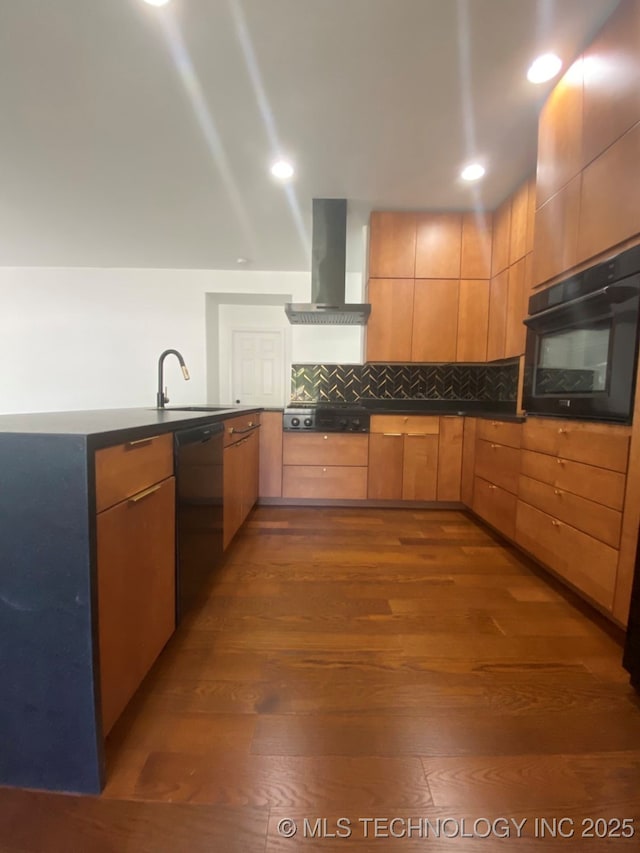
(110, 426)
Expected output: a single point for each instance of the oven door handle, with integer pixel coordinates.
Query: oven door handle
(626, 292)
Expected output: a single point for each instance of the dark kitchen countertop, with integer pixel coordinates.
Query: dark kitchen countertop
(102, 427)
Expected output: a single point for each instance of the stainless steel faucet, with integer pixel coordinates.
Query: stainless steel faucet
(161, 397)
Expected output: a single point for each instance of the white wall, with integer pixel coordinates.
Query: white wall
(90, 338)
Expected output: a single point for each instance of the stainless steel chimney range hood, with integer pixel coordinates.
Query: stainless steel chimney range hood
(328, 268)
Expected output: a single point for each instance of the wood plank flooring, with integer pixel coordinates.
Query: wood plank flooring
(351, 663)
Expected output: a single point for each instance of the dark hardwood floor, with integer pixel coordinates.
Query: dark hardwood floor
(364, 664)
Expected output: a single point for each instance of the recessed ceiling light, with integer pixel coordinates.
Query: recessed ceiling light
(472, 172)
(282, 170)
(242, 261)
(544, 68)
(156, 2)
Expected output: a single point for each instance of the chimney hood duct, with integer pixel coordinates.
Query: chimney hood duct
(328, 267)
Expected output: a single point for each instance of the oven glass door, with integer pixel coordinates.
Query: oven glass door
(575, 360)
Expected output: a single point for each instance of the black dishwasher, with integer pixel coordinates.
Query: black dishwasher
(198, 457)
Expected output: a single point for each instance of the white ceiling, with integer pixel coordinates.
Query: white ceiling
(135, 136)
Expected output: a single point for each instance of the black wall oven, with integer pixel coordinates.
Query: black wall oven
(582, 343)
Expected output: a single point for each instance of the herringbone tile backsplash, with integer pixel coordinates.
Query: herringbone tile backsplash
(348, 383)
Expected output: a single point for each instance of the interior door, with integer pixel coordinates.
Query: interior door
(257, 367)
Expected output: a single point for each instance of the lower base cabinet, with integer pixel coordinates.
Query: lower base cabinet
(329, 482)
(589, 565)
(136, 591)
(496, 506)
(240, 482)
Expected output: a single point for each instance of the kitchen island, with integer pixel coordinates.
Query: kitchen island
(51, 726)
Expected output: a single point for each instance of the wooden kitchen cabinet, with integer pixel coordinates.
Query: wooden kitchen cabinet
(556, 233)
(612, 81)
(517, 302)
(126, 469)
(435, 320)
(473, 320)
(501, 238)
(477, 233)
(270, 453)
(392, 244)
(468, 460)
(496, 469)
(390, 327)
(560, 135)
(136, 590)
(327, 466)
(420, 467)
(518, 229)
(450, 458)
(585, 562)
(438, 245)
(386, 454)
(415, 457)
(240, 482)
(610, 202)
(497, 329)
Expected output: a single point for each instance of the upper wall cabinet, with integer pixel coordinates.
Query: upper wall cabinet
(392, 245)
(390, 326)
(611, 71)
(501, 238)
(556, 234)
(610, 204)
(475, 262)
(438, 245)
(560, 135)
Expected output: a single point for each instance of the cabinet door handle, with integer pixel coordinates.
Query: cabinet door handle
(138, 443)
(145, 494)
(562, 431)
(555, 523)
(418, 434)
(250, 428)
(560, 461)
(325, 437)
(393, 434)
(491, 486)
(324, 470)
(495, 446)
(557, 492)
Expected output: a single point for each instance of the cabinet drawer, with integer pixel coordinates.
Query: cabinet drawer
(496, 506)
(598, 521)
(500, 432)
(406, 424)
(593, 444)
(235, 428)
(585, 562)
(125, 469)
(498, 464)
(315, 448)
(331, 482)
(596, 484)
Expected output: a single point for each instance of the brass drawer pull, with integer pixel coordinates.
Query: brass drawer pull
(495, 446)
(557, 492)
(555, 523)
(393, 434)
(325, 437)
(491, 486)
(138, 443)
(560, 461)
(145, 494)
(562, 431)
(250, 428)
(324, 470)
(418, 434)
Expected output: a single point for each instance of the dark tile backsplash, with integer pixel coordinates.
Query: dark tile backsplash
(348, 383)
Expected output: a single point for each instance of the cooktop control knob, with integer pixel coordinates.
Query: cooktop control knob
(308, 422)
(343, 423)
(295, 421)
(355, 423)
